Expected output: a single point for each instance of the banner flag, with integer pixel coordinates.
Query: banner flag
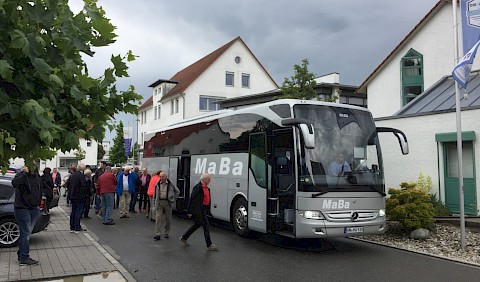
(470, 14)
(461, 71)
(128, 146)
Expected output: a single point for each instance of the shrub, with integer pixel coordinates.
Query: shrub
(410, 206)
(440, 209)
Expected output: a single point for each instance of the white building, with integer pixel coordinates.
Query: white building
(230, 71)
(412, 90)
(64, 160)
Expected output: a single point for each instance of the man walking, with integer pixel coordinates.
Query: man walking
(106, 188)
(77, 191)
(28, 196)
(125, 189)
(165, 195)
(198, 209)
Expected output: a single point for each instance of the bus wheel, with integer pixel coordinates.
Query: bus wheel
(240, 217)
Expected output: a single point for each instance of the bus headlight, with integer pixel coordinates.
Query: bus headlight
(311, 214)
(381, 213)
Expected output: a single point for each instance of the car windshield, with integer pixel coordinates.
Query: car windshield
(346, 155)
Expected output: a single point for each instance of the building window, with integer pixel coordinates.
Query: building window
(229, 78)
(412, 76)
(89, 143)
(176, 105)
(210, 103)
(172, 106)
(67, 162)
(159, 112)
(155, 113)
(245, 80)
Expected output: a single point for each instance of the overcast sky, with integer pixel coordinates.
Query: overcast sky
(350, 37)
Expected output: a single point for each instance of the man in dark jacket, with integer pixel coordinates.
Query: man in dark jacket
(77, 191)
(28, 197)
(47, 185)
(198, 209)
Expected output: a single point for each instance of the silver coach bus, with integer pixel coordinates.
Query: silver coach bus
(302, 169)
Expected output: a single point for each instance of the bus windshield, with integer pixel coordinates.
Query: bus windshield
(346, 155)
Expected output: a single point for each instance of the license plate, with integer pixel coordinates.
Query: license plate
(350, 230)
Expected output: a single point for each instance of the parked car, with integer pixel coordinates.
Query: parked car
(9, 231)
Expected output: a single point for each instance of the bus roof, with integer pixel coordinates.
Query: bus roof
(251, 109)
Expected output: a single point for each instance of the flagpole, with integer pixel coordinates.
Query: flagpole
(459, 130)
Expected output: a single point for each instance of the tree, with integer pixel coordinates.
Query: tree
(117, 153)
(100, 151)
(301, 85)
(48, 101)
(79, 153)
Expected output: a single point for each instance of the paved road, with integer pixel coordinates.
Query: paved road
(264, 258)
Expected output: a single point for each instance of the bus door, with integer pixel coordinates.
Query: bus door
(184, 182)
(282, 192)
(258, 183)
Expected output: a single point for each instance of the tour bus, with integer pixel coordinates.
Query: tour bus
(273, 167)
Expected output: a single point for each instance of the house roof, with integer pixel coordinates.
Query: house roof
(440, 98)
(363, 87)
(188, 75)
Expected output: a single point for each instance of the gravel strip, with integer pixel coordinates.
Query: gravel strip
(444, 242)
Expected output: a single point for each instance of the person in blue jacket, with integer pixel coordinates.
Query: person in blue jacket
(127, 181)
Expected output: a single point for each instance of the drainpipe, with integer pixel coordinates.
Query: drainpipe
(183, 110)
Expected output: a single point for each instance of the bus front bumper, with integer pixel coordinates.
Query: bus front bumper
(312, 228)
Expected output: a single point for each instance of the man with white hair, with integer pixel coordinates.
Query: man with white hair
(77, 191)
(125, 188)
(198, 210)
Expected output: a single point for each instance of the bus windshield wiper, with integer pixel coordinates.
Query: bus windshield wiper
(319, 194)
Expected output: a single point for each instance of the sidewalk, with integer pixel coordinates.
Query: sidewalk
(61, 254)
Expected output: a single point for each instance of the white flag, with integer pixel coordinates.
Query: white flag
(461, 71)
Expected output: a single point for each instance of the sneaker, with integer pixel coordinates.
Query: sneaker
(212, 247)
(109, 223)
(76, 231)
(29, 261)
(157, 238)
(184, 241)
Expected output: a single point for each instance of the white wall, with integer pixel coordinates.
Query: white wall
(424, 155)
(435, 42)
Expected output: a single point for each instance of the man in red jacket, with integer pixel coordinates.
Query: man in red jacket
(106, 188)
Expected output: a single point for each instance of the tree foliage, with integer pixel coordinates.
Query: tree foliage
(117, 153)
(48, 100)
(100, 151)
(80, 153)
(301, 85)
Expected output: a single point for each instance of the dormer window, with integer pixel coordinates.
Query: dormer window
(412, 76)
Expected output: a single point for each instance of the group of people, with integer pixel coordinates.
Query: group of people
(157, 195)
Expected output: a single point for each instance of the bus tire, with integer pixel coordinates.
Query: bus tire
(240, 217)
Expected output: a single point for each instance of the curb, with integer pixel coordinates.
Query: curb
(418, 252)
(104, 252)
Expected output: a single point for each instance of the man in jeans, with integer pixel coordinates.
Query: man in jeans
(28, 197)
(106, 188)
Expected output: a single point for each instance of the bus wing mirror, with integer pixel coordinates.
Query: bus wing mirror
(402, 138)
(306, 129)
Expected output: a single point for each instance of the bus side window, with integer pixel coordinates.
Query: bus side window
(282, 166)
